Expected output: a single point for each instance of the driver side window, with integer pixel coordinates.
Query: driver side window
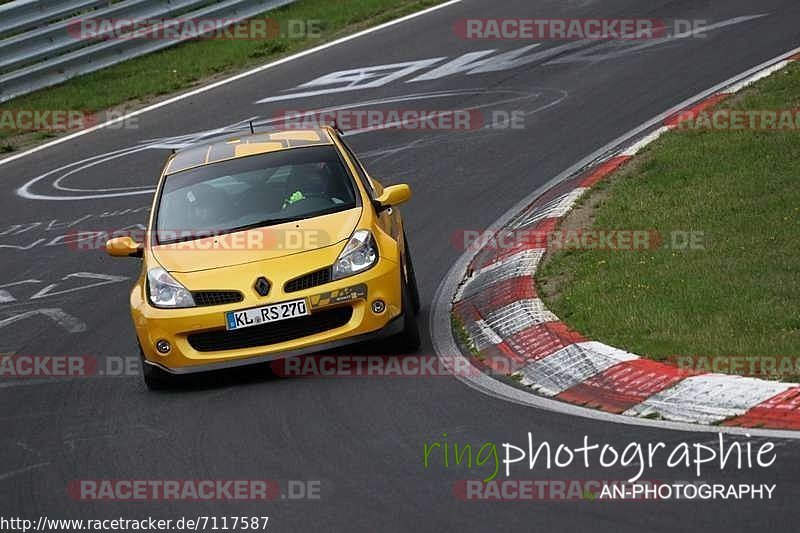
(362, 175)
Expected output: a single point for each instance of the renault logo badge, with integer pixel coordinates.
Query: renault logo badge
(262, 286)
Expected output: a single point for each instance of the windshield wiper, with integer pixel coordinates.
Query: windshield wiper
(305, 216)
(262, 223)
(259, 224)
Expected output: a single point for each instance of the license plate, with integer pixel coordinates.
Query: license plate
(264, 315)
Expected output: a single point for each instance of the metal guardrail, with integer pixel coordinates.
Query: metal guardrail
(32, 59)
(23, 14)
(35, 45)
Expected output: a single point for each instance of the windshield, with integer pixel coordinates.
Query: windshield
(253, 192)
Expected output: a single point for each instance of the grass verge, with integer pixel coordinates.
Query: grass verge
(739, 294)
(463, 338)
(138, 82)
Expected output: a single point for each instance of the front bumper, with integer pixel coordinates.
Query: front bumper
(394, 327)
(176, 325)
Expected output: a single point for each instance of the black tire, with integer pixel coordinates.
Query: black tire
(412, 279)
(409, 338)
(154, 377)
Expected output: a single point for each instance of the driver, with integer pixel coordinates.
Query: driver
(203, 206)
(307, 182)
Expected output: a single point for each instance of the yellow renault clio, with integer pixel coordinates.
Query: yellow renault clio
(265, 246)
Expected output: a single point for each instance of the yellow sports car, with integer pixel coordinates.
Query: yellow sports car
(268, 245)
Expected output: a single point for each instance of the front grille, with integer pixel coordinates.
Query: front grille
(208, 298)
(274, 333)
(312, 279)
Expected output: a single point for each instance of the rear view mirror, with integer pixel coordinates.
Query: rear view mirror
(124, 247)
(392, 196)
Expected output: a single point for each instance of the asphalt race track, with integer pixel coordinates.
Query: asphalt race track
(362, 438)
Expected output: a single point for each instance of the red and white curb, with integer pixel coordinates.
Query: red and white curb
(517, 335)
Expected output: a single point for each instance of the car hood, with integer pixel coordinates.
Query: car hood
(260, 244)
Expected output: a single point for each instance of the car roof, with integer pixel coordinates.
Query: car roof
(236, 146)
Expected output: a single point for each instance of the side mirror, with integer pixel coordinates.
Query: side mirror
(124, 247)
(392, 196)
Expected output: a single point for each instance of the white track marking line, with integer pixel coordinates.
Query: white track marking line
(646, 140)
(227, 81)
(8, 475)
(758, 76)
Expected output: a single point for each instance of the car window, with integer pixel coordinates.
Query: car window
(255, 191)
(362, 174)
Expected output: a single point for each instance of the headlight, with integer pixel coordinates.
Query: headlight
(165, 291)
(360, 254)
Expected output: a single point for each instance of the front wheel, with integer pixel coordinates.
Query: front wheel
(409, 338)
(154, 377)
(411, 278)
